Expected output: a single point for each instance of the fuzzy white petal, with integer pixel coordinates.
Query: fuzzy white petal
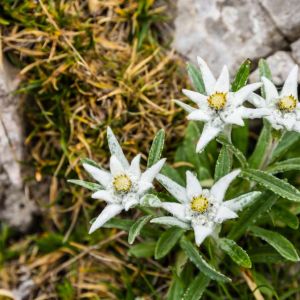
(297, 126)
(184, 106)
(193, 186)
(201, 233)
(101, 176)
(256, 100)
(103, 195)
(130, 200)
(199, 99)
(115, 148)
(208, 77)
(173, 188)
(241, 95)
(270, 89)
(291, 83)
(235, 118)
(176, 209)
(222, 84)
(107, 213)
(151, 173)
(225, 213)
(171, 221)
(116, 167)
(134, 168)
(208, 134)
(199, 115)
(219, 189)
(255, 113)
(240, 202)
(144, 186)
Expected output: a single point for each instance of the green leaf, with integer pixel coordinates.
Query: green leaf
(156, 148)
(167, 241)
(224, 163)
(272, 183)
(196, 288)
(241, 76)
(176, 289)
(172, 173)
(89, 162)
(240, 137)
(235, 151)
(193, 254)
(285, 216)
(258, 156)
(252, 214)
(118, 223)
(284, 166)
(264, 71)
(86, 184)
(136, 228)
(143, 250)
(265, 255)
(284, 247)
(196, 78)
(287, 140)
(237, 254)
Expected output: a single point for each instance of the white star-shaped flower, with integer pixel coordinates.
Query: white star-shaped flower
(200, 209)
(124, 185)
(220, 107)
(283, 108)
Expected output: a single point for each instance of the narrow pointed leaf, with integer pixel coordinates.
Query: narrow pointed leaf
(196, 78)
(284, 166)
(272, 183)
(224, 163)
(195, 257)
(176, 289)
(284, 247)
(86, 184)
(196, 288)
(167, 241)
(237, 254)
(156, 148)
(90, 162)
(136, 228)
(241, 76)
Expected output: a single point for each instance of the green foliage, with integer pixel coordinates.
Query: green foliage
(167, 241)
(65, 290)
(196, 288)
(196, 78)
(277, 241)
(136, 228)
(241, 76)
(156, 148)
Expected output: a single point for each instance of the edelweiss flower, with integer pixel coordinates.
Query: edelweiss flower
(220, 107)
(283, 108)
(200, 209)
(124, 185)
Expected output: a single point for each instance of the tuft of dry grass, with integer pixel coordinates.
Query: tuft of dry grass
(86, 65)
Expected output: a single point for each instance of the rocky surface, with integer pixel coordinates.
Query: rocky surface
(229, 31)
(15, 208)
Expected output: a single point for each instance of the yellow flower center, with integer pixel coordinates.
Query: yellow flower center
(287, 103)
(122, 183)
(217, 100)
(199, 204)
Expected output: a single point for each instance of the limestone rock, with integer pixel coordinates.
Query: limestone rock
(225, 31)
(280, 64)
(15, 208)
(286, 16)
(296, 51)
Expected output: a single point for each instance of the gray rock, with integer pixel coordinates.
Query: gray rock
(16, 209)
(296, 51)
(225, 31)
(286, 16)
(280, 64)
